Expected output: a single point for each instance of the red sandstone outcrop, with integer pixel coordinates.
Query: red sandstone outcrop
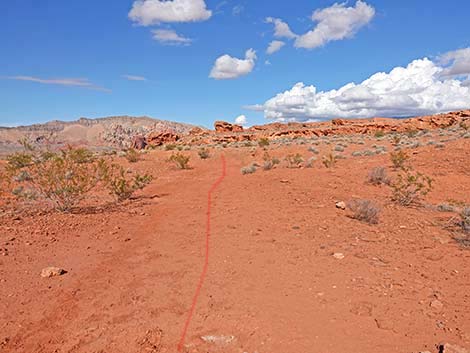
(223, 126)
(160, 138)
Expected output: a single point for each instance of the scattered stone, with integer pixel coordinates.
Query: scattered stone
(52, 272)
(451, 348)
(338, 255)
(436, 305)
(218, 340)
(341, 205)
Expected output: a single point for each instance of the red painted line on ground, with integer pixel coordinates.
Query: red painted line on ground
(206, 260)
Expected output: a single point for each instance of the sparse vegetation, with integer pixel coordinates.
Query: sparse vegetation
(379, 134)
(263, 142)
(329, 161)
(269, 162)
(410, 187)
(465, 219)
(378, 176)
(66, 177)
(132, 155)
(294, 160)
(364, 211)
(204, 153)
(180, 160)
(249, 169)
(115, 178)
(170, 147)
(399, 159)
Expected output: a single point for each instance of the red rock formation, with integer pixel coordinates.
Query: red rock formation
(223, 126)
(161, 138)
(139, 142)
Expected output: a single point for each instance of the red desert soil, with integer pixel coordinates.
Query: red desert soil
(273, 284)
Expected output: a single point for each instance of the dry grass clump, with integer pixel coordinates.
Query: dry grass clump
(180, 160)
(410, 187)
(378, 176)
(329, 161)
(364, 211)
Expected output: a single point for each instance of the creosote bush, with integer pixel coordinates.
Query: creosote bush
(378, 176)
(180, 160)
(465, 219)
(63, 178)
(364, 211)
(132, 155)
(410, 187)
(204, 153)
(399, 159)
(294, 160)
(270, 162)
(263, 142)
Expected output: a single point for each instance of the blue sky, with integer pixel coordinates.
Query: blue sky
(47, 45)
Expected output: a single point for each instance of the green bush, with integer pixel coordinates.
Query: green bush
(410, 187)
(294, 160)
(399, 159)
(263, 142)
(329, 161)
(180, 160)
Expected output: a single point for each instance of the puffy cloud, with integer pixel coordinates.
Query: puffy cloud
(241, 120)
(134, 78)
(275, 46)
(149, 12)
(70, 82)
(170, 37)
(335, 23)
(417, 89)
(227, 67)
(281, 29)
(457, 62)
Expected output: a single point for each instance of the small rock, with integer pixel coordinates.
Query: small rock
(451, 348)
(338, 255)
(436, 305)
(218, 340)
(341, 205)
(52, 272)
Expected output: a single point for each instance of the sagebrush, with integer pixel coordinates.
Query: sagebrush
(365, 211)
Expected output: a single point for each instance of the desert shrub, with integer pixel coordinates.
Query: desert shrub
(396, 139)
(119, 183)
(132, 155)
(313, 150)
(204, 153)
(63, 178)
(310, 162)
(379, 134)
(465, 219)
(399, 159)
(180, 160)
(78, 155)
(269, 162)
(364, 211)
(294, 160)
(378, 176)
(170, 147)
(444, 207)
(263, 142)
(329, 161)
(339, 148)
(410, 187)
(249, 169)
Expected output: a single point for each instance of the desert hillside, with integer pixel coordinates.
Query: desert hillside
(342, 236)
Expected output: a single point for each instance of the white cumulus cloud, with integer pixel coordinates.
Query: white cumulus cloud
(149, 12)
(281, 29)
(170, 37)
(417, 89)
(457, 63)
(227, 67)
(335, 23)
(241, 120)
(274, 46)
